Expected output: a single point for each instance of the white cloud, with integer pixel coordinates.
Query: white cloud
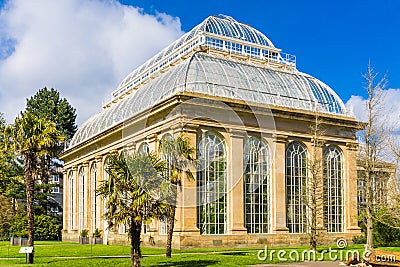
(81, 48)
(390, 112)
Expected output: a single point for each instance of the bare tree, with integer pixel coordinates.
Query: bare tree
(389, 214)
(314, 194)
(372, 149)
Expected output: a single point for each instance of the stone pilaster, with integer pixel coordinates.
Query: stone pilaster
(75, 188)
(99, 161)
(316, 159)
(350, 185)
(100, 178)
(235, 197)
(186, 210)
(278, 182)
(86, 193)
(152, 141)
(65, 199)
(131, 147)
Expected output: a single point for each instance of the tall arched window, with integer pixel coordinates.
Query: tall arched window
(257, 186)
(163, 225)
(144, 148)
(211, 184)
(71, 199)
(296, 187)
(82, 200)
(333, 189)
(93, 179)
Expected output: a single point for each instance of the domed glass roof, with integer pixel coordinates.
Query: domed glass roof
(222, 26)
(229, 27)
(216, 76)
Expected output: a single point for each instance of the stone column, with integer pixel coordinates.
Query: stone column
(350, 188)
(186, 210)
(99, 178)
(152, 141)
(65, 200)
(317, 160)
(74, 226)
(235, 197)
(103, 221)
(131, 147)
(86, 196)
(278, 182)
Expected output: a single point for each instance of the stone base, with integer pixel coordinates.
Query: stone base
(185, 240)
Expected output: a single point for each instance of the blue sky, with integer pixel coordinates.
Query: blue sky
(332, 40)
(84, 48)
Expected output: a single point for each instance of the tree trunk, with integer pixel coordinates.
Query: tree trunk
(30, 164)
(370, 228)
(135, 230)
(14, 206)
(170, 231)
(45, 162)
(369, 208)
(313, 234)
(313, 213)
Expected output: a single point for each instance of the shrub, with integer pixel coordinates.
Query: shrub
(386, 236)
(361, 239)
(46, 227)
(19, 226)
(6, 215)
(97, 233)
(84, 233)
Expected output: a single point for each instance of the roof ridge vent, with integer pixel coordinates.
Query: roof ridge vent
(223, 16)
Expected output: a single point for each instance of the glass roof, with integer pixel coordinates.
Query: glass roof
(214, 75)
(223, 26)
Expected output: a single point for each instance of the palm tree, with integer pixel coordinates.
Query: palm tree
(179, 154)
(31, 137)
(132, 193)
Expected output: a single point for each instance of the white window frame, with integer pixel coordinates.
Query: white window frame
(333, 190)
(211, 192)
(296, 188)
(257, 168)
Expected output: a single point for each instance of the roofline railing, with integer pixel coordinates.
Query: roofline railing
(205, 39)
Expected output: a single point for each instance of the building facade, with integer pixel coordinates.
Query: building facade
(248, 111)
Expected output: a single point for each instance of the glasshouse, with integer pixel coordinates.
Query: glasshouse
(249, 112)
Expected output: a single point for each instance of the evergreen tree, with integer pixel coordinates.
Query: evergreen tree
(48, 104)
(11, 171)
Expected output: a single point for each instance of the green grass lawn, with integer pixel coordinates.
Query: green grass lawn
(61, 254)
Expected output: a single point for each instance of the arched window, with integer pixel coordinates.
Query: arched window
(82, 200)
(211, 184)
(95, 201)
(333, 189)
(144, 148)
(296, 188)
(71, 199)
(257, 186)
